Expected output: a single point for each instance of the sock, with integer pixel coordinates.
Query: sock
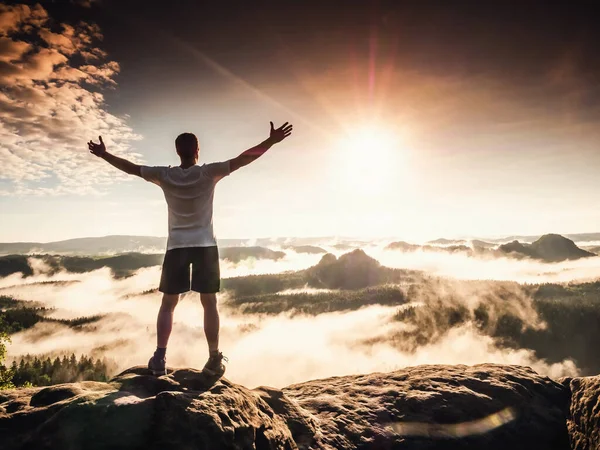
(160, 353)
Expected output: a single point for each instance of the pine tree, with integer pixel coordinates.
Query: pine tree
(47, 366)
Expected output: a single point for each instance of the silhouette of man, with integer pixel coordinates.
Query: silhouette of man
(189, 190)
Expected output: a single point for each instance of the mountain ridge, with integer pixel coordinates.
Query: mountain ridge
(548, 248)
(131, 243)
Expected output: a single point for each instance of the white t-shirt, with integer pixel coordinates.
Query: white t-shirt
(189, 194)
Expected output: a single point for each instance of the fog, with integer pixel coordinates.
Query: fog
(461, 266)
(251, 266)
(284, 349)
(458, 265)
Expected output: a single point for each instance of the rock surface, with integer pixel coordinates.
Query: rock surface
(426, 407)
(584, 415)
(368, 411)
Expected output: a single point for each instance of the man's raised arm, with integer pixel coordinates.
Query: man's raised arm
(276, 135)
(122, 164)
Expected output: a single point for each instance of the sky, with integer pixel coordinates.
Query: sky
(410, 121)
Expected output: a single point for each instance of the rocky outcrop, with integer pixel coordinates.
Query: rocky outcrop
(584, 414)
(354, 270)
(429, 407)
(426, 407)
(136, 410)
(554, 248)
(548, 248)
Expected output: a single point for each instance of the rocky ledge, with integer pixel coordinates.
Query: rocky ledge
(426, 407)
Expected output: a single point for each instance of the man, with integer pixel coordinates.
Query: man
(189, 190)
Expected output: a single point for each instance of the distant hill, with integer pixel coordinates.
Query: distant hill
(352, 270)
(109, 245)
(407, 247)
(152, 244)
(89, 245)
(237, 254)
(577, 237)
(554, 247)
(518, 249)
(594, 249)
(442, 241)
(312, 249)
(403, 246)
(549, 248)
(476, 243)
(121, 265)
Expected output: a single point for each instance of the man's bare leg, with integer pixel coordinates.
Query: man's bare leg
(211, 321)
(164, 322)
(164, 325)
(214, 366)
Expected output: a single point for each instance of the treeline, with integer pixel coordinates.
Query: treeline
(122, 265)
(23, 318)
(318, 303)
(17, 316)
(40, 371)
(571, 313)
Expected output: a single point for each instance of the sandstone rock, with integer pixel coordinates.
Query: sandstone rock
(185, 409)
(408, 409)
(303, 426)
(59, 392)
(426, 407)
(584, 414)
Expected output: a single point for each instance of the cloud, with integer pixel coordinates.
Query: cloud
(462, 266)
(272, 350)
(11, 17)
(51, 105)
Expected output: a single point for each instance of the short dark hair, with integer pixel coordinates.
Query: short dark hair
(186, 145)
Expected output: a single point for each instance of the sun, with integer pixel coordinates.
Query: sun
(369, 157)
(370, 136)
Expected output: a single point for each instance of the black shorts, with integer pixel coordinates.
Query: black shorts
(205, 276)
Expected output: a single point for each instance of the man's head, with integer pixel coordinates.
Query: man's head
(187, 146)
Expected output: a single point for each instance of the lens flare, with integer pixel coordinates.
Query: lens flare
(455, 430)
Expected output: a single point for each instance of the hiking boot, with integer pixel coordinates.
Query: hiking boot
(214, 366)
(157, 366)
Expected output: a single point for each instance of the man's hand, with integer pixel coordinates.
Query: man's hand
(279, 134)
(97, 149)
(120, 163)
(276, 135)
